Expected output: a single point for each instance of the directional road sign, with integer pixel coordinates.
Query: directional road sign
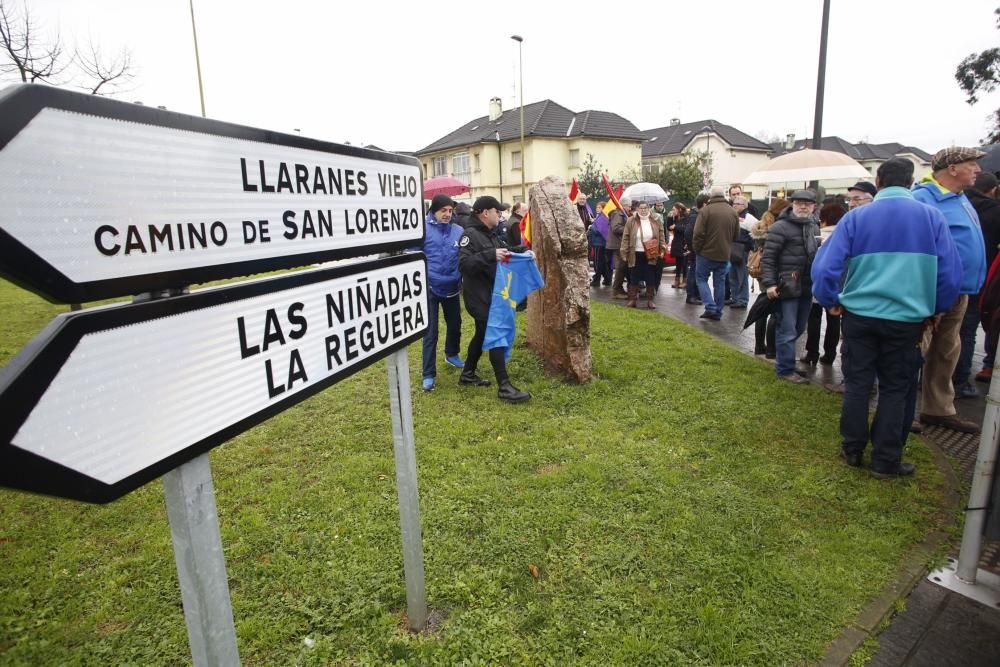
(107, 399)
(101, 198)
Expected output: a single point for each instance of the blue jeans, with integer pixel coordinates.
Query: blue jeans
(719, 271)
(453, 336)
(888, 350)
(739, 287)
(793, 316)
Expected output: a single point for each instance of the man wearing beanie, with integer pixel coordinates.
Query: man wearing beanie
(480, 250)
(441, 247)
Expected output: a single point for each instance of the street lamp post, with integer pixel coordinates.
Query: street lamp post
(520, 72)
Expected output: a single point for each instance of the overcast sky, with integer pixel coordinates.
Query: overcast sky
(402, 74)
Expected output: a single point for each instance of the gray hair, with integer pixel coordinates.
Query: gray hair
(717, 191)
(624, 201)
(740, 199)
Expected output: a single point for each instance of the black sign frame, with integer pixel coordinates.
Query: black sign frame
(25, 379)
(21, 103)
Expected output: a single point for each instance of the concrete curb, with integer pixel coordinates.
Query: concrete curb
(914, 567)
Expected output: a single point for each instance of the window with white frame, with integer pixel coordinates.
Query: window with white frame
(515, 159)
(441, 166)
(574, 158)
(460, 166)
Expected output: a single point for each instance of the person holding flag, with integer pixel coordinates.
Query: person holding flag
(480, 251)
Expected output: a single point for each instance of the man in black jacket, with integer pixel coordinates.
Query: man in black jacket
(788, 254)
(479, 251)
(982, 196)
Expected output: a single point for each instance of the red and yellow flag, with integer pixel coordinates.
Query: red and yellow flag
(526, 229)
(614, 194)
(574, 191)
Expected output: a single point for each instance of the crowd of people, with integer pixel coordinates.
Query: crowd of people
(895, 268)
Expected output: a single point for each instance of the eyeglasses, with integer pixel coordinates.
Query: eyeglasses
(859, 198)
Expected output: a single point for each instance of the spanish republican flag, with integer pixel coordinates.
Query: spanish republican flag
(614, 194)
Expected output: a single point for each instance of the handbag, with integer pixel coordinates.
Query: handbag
(651, 247)
(753, 263)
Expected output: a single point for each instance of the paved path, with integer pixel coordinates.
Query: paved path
(938, 627)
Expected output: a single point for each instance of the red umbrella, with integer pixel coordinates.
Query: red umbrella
(444, 185)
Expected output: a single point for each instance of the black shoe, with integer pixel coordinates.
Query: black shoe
(692, 301)
(853, 459)
(810, 359)
(473, 380)
(511, 394)
(707, 315)
(801, 374)
(770, 355)
(904, 470)
(738, 306)
(827, 360)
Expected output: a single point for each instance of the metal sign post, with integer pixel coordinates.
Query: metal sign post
(201, 565)
(406, 488)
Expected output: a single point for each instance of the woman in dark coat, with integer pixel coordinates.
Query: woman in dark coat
(675, 224)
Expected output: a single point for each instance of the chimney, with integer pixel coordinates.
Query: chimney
(789, 142)
(675, 121)
(496, 108)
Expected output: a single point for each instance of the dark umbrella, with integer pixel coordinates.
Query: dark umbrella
(762, 307)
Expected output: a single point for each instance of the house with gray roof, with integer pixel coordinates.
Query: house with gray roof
(727, 154)
(486, 152)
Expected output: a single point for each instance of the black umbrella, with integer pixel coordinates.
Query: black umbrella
(762, 307)
(991, 161)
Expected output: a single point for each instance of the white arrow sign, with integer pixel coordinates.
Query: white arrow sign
(109, 398)
(104, 198)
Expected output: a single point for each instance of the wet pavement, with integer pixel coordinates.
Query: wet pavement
(937, 626)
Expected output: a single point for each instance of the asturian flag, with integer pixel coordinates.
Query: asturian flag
(515, 280)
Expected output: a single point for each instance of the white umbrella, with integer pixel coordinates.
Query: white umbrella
(647, 192)
(808, 165)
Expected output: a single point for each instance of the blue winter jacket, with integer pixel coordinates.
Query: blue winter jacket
(901, 263)
(963, 221)
(441, 248)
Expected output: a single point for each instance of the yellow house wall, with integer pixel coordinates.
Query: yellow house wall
(544, 157)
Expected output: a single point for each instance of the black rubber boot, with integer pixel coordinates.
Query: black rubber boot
(511, 394)
(472, 379)
(759, 327)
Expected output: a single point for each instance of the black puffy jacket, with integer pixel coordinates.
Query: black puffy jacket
(477, 260)
(790, 247)
(989, 219)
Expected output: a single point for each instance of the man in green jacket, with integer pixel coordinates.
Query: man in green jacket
(716, 228)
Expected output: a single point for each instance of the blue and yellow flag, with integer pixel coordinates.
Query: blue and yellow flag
(515, 280)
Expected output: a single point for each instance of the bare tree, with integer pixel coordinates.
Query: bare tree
(23, 51)
(112, 73)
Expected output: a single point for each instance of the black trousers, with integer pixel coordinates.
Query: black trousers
(476, 350)
(832, 337)
(882, 348)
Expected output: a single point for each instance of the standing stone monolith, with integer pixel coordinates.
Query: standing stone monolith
(559, 313)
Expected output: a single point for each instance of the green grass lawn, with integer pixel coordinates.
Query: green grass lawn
(683, 508)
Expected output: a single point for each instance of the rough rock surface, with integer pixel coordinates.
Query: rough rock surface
(559, 314)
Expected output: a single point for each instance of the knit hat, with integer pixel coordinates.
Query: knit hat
(440, 201)
(485, 203)
(954, 155)
(864, 186)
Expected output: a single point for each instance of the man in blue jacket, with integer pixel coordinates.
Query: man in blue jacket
(954, 170)
(441, 247)
(889, 268)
